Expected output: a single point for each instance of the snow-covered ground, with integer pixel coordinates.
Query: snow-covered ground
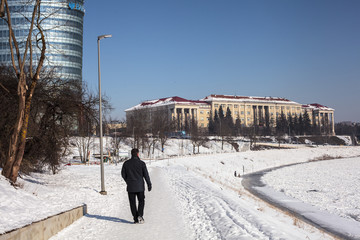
(194, 197)
(332, 185)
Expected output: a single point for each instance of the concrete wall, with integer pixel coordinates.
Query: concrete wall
(46, 228)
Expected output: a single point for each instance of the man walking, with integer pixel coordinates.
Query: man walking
(134, 172)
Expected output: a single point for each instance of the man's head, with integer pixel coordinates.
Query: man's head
(135, 152)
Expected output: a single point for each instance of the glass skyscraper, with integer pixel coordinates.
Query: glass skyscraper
(62, 22)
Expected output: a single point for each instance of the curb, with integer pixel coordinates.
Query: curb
(46, 228)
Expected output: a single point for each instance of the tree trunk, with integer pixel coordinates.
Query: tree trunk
(14, 139)
(18, 138)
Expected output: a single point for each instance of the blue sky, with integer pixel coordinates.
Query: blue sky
(305, 50)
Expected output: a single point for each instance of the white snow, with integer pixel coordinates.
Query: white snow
(332, 185)
(194, 197)
(346, 139)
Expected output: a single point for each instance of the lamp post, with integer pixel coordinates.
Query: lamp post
(103, 192)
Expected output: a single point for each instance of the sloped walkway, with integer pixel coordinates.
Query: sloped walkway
(162, 221)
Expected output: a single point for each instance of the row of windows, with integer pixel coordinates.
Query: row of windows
(50, 33)
(50, 21)
(64, 22)
(224, 106)
(21, 8)
(207, 112)
(70, 70)
(63, 34)
(66, 46)
(229, 106)
(76, 62)
(62, 10)
(61, 57)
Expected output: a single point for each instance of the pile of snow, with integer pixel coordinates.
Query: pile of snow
(346, 139)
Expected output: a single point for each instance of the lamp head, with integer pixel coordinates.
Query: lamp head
(104, 36)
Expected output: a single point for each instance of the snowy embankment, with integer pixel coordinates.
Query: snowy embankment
(333, 186)
(205, 200)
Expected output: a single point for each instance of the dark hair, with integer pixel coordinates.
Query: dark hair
(134, 152)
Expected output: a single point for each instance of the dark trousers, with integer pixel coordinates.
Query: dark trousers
(137, 211)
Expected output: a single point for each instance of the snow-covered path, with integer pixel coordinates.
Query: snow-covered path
(114, 221)
(215, 213)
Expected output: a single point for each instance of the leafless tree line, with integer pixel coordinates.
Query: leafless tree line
(148, 128)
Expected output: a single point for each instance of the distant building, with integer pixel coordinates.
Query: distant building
(321, 115)
(62, 24)
(250, 110)
(176, 108)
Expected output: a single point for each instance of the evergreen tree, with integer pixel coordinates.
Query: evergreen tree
(216, 123)
(306, 123)
(294, 126)
(300, 125)
(281, 124)
(229, 123)
(221, 113)
(290, 124)
(211, 127)
(267, 129)
(238, 128)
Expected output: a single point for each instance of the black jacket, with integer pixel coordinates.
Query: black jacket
(134, 172)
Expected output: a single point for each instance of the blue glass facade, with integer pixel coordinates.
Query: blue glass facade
(62, 21)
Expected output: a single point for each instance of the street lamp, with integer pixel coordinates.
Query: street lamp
(103, 192)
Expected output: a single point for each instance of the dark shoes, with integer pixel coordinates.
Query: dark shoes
(141, 220)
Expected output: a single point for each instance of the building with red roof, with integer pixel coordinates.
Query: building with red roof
(249, 110)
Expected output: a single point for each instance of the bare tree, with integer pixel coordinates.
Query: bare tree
(162, 125)
(25, 90)
(196, 136)
(137, 126)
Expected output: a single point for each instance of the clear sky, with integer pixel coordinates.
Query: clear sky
(305, 50)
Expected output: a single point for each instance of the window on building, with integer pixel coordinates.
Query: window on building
(248, 119)
(216, 105)
(271, 107)
(248, 113)
(236, 106)
(242, 112)
(287, 108)
(236, 112)
(277, 107)
(201, 112)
